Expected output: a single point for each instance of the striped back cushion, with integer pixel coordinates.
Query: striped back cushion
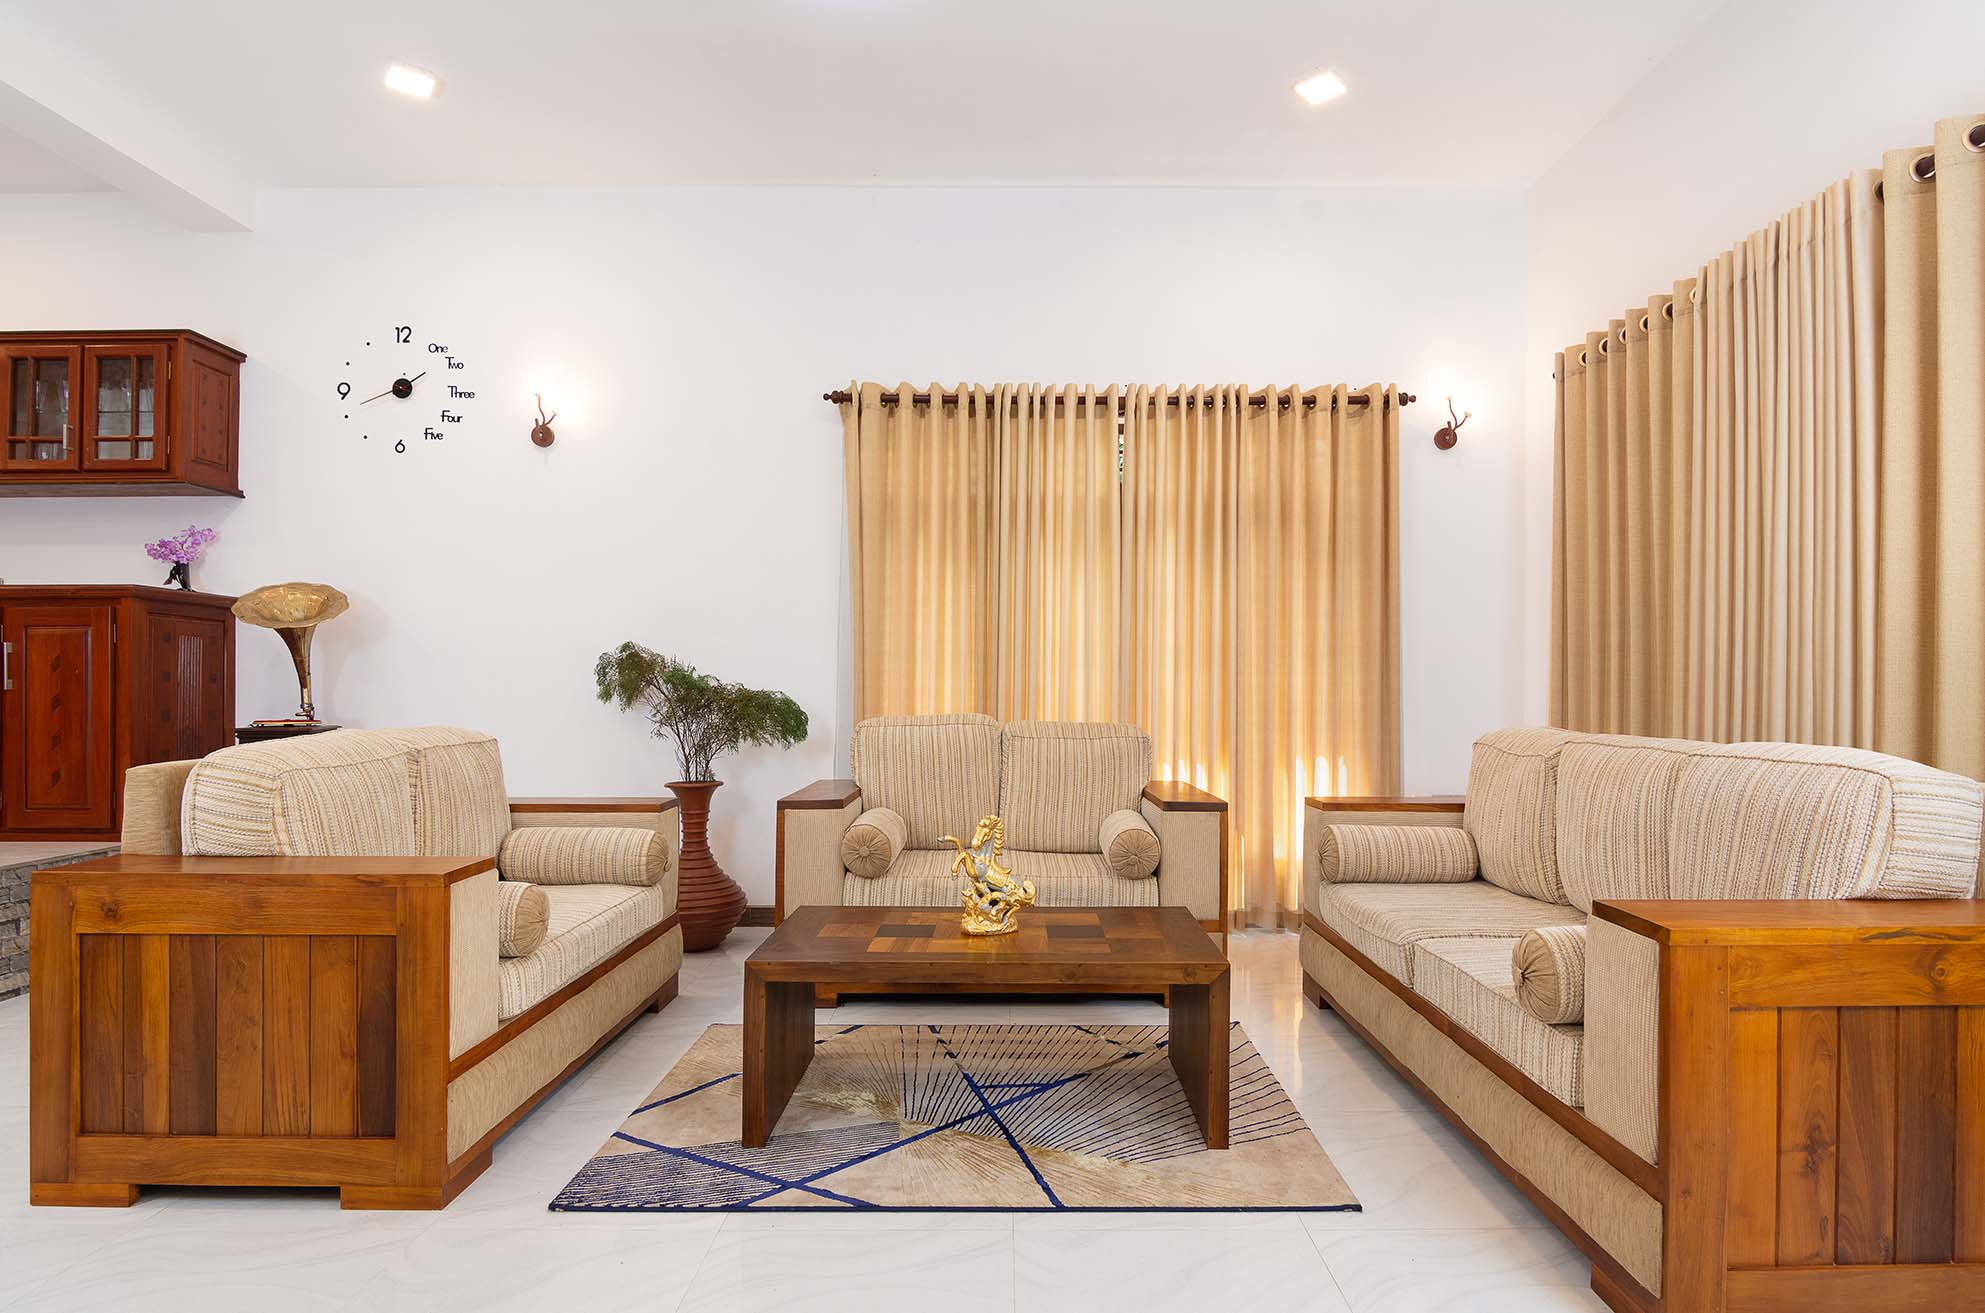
(348, 793)
(1512, 809)
(461, 808)
(939, 773)
(1790, 820)
(1616, 797)
(1059, 779)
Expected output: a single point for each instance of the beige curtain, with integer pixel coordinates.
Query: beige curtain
(1715, 528)
(1224, 574)
(1261, 609)
(921, 483)
(1931, 610)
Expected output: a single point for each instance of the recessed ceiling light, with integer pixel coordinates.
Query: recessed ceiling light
(1320, 87)
(411, 81)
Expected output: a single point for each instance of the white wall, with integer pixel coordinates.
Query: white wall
(693, 500)
(1765, 105)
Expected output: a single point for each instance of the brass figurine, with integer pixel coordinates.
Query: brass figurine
(294, 611)
(991, 896)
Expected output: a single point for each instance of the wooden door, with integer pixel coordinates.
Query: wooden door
(185, 707)
(40, 388)
(124, 411)
(55, 721)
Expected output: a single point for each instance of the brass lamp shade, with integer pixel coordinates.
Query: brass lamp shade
(294, 611)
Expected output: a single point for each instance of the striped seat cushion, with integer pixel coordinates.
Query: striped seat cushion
(922, 878)
(1060, 780)
(1787, 820)
(1512, 809)
(587, 924)
(348, 793)
(461, 808)
(939, 773)
(1468, 978)
(1382, 921)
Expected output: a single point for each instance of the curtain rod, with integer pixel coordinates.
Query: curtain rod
(842, 397)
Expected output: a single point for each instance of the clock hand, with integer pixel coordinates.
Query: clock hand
(402, 388)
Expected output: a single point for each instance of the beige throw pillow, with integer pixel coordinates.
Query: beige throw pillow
(869, 846)
(1129, 844)
(1395, 854)
(1548, 970)
(522, 913)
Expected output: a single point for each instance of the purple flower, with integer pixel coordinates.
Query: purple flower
(182, 548)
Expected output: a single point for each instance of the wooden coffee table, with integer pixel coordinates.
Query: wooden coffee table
(1066, 950)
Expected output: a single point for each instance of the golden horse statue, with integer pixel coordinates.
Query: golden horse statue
(991, 895)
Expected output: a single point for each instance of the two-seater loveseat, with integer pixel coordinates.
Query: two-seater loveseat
(347, 959)
(1084, 820)
(1690, 999)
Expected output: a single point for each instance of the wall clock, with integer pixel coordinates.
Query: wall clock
(400, 390)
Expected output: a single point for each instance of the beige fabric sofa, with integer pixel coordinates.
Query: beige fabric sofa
(1645, 865)
(1083, 818)
(414, 810)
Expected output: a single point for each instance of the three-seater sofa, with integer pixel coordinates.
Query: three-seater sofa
(1718, 1010)
(1084, 820)
(348, 959)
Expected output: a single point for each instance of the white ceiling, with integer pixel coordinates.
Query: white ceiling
(625, 91)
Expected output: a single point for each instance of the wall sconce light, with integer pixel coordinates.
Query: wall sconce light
(1450, 433)
(541, 433)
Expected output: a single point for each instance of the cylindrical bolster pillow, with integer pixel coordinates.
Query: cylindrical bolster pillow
(1129, 844)
(870, 845)
(1548, 969)
(1395, 854)
(522, 913)
(583, 854)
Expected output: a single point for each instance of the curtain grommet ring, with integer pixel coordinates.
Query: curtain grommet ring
(1606, 345)
(1647, 323)
(1695, 296)
(1668, 311)
(1974, 138)
(1881, 193)
(1582, 358)
(1622, 334)
(1925, 168)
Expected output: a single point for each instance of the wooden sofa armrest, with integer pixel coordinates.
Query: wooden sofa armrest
(1430, 802)
(1178, 796)
(807, 849)
(602, 805)
(822, 795)
(1821, 1105)
(241, 1021)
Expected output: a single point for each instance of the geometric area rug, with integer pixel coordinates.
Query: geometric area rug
(965, 1117)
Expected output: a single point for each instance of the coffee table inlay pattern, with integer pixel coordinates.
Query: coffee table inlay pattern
(1075, 950)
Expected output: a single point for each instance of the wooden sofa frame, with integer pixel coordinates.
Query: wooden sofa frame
(839, 794)
(1822, 1102)
(263, 1021)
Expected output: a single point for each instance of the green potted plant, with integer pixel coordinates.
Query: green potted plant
(706, 718)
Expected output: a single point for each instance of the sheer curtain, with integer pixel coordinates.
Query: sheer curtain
(1770, 497)
(1219, 568)
(1261, 609)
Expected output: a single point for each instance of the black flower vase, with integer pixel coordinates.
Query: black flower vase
(182, 574)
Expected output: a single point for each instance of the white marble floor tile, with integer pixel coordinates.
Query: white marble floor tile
(599, 1270)
(1409, 1170)
(1527, 1271)
(944, 1267)
(1261, 1271)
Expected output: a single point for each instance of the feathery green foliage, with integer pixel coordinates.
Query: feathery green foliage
(705, 717)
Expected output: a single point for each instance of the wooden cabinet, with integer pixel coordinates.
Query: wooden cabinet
(98, 678)
(119, 414)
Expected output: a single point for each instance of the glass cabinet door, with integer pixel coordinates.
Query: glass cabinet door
(124, 407)
(38, 388)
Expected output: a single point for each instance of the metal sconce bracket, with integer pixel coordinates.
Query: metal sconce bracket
(1450, 433)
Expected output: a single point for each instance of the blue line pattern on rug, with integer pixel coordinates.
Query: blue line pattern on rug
(1056, 1088)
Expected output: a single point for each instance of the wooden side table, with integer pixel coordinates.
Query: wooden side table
(265, 733)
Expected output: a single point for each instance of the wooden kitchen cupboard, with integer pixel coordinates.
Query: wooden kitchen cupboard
(95, 679)
(119, 413)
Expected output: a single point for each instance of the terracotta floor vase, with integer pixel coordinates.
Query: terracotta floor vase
(709, 901)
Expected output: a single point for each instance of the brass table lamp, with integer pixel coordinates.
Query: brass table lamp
(294, 611)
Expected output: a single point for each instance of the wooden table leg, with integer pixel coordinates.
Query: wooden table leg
(1200, 1052)
(778, 1044)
